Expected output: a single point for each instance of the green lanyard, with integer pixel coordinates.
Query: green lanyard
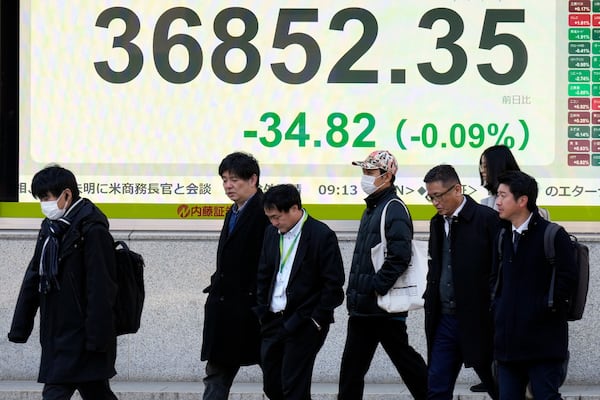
(289, 250)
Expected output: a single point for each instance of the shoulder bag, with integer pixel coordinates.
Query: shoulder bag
(407, 292)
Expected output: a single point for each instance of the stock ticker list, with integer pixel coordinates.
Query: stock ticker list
(583, 141)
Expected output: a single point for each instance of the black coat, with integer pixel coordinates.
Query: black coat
(526, 329)
(231, 334)
(77, 332)
(472, 243)
(315, 287)
(363, 282)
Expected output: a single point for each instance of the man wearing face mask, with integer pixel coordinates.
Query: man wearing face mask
(369, 325)
(72, 280)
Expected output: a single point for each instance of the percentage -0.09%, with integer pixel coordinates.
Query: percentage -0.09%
(460, 135)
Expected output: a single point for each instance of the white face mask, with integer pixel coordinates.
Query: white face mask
(367, 183)
(50, 209)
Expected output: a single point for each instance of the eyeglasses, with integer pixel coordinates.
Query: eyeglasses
(438, 197)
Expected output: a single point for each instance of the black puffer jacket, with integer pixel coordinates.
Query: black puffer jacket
(77, 332)
(363, 282)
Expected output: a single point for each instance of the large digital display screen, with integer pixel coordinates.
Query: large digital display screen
(142, 99)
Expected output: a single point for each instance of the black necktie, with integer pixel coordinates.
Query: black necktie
(516, 237)
(449, 221)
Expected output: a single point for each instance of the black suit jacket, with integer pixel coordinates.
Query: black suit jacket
(315, 287)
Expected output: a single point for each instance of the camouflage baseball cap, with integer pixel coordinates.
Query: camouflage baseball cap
(379, 159)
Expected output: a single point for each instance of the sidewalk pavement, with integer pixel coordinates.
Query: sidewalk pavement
(28, 390)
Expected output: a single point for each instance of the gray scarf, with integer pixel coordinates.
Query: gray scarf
(49, 259)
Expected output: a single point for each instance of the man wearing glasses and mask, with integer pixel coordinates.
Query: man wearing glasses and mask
(457, 299)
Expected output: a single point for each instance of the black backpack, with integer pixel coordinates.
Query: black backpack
(130, 286)
(582, 260)
(130, 293)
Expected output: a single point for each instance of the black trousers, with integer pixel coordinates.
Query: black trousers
(363, 337)
(446, 361)
(94, 390)
(218, 380)
(545, 378)
(288, 358)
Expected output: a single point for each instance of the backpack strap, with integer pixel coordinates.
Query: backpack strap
(498, 275)
(550, 252)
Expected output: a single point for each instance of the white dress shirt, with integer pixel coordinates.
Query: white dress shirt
(287, 248)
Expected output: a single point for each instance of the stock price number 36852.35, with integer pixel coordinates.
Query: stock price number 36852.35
(342, 70)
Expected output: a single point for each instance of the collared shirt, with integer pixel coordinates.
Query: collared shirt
(446, 288)
(287, 249)
(235, 213)
(454, 215)
(524, 226)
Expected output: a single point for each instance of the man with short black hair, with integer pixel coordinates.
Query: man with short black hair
(230, 338)
(72, 280)
(300, 283)
(530, 337)
(458, 324)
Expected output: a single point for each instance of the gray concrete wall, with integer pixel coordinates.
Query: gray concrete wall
(167, 347)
